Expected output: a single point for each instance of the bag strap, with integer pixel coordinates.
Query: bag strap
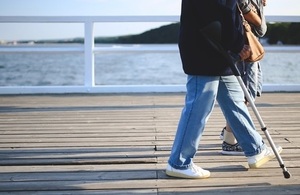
(241, 13)
(245, 22)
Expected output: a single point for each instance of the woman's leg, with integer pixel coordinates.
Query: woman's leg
(231, 100)
(252, 81)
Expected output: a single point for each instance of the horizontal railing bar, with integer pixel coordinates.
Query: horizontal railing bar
(138, 48)
(6, 90)
(82, 19)
(124, 89)
(41, 49)
(283, 18)
(124, 48)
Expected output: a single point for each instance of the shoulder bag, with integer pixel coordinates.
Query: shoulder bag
(257, 50)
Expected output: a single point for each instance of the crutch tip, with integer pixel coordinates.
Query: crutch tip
(286, 174)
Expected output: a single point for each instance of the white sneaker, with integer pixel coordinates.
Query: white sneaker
(193, 172)
(260, 159)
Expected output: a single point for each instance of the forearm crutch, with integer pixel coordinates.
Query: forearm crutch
(212, 34)
(261, 122)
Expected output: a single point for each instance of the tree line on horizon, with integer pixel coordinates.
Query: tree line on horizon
(277, 33)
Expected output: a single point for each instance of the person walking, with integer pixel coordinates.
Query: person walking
(209, 79)
(253, 12)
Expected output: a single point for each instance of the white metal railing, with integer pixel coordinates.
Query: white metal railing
(89, 50)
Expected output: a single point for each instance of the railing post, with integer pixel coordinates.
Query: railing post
(89, 59)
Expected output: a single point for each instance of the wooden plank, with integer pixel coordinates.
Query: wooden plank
(99, 184)
(120, 144)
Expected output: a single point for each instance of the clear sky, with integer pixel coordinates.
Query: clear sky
(100, 8)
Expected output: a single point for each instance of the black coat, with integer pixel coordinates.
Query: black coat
(198, 58)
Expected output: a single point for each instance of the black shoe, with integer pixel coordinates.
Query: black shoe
(229, 149)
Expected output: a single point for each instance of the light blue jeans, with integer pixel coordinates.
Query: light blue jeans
(202, 93)
(253, 78)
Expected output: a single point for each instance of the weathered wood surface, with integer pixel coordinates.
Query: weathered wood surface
(119, 144)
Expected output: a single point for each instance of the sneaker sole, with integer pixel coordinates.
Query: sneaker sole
(175, 174)
(264, 160)
(232, 153)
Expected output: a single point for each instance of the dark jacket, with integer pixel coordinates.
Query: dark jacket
(198, 58)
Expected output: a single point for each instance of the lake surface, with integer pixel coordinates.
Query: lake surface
(126, 68)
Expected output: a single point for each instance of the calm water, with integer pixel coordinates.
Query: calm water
(130, 68)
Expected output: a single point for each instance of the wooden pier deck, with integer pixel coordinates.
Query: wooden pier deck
(119, 144)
